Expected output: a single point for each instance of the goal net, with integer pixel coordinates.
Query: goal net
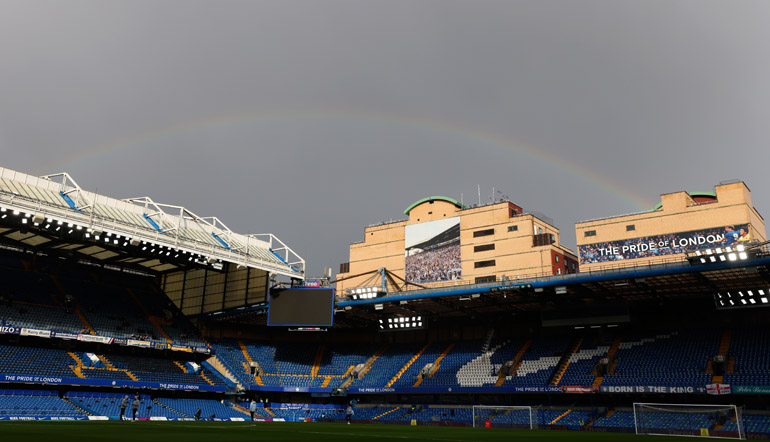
(721, 421)
(487, 416)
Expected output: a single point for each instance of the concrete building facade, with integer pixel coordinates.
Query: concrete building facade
(446, 243)
(682, 223)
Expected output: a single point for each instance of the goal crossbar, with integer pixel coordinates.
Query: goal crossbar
(707, 418)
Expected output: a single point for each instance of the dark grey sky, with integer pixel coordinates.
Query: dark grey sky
(312, 119)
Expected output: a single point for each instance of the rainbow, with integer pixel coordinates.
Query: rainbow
(474, 136)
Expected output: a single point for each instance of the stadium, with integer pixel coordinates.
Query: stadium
(130, 309)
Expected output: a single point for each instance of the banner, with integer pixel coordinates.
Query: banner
(92, 338)
(106, 382)
(9, 330)
(577, 389)
(718, 389)
(650, 389)
(135, 343)
(751, 389)
(660, 245)
(60, 335)
(36, 332)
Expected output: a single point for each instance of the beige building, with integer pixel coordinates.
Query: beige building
(682, 222)
(446, 243)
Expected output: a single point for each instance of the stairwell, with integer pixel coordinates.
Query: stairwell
(77, 367)
(317, 361)
(206, 379)
(406, 366)
(84, 410)
(515, 363)
(436, 364)
(564, 362)
(247, 365)
(154, 320)
(106, 362)
(366, 368)
(559, 417)
(162, 405)
(386, 413)
(724, 349)
(217, 365)
(611, 358)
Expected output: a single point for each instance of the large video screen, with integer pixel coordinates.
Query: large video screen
(667, 244)
(433, 251)
(312, 307)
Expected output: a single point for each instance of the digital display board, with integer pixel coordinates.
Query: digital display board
(301, 307)
(432, 251)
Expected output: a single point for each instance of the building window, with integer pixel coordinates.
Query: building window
(558, 271)
(430, 213)
(481, 264)
(345, 267)
(513, 228)
(557, 258)
(486, 232)
(485, 279)
(630, 227)
(590, 233)
(484, 248)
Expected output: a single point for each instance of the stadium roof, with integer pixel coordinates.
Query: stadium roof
(435, 198)
(576, 297)
(54, 212)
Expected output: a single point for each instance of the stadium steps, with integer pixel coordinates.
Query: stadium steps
(154, 320)
(559, 417)
(519, 355)
(366, 368)
(243, 410)
(406, 366)
(130, 375)
(385, 413)
(206, 379)
(317, 361)
(437, 362)
(326, 381)
(78, 407)
(724, 349)
(78, 364)
(106, 362)
(610, 357)
(168, 407)
(218, 366)
(83, 319)
(564, 362)
(181, 367)
(269, 411)
(77, 311)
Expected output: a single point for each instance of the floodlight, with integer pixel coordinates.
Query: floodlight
(38, 219)
(24, 220)
(743, 255)
(732, 256)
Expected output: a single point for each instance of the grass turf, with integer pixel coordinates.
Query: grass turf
(147, 431)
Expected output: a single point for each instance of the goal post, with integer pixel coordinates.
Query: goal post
(698, 420)
(503, 416)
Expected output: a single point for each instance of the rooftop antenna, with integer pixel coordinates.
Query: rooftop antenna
(479, 190)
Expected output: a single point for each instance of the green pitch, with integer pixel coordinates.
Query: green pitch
(285, 431)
